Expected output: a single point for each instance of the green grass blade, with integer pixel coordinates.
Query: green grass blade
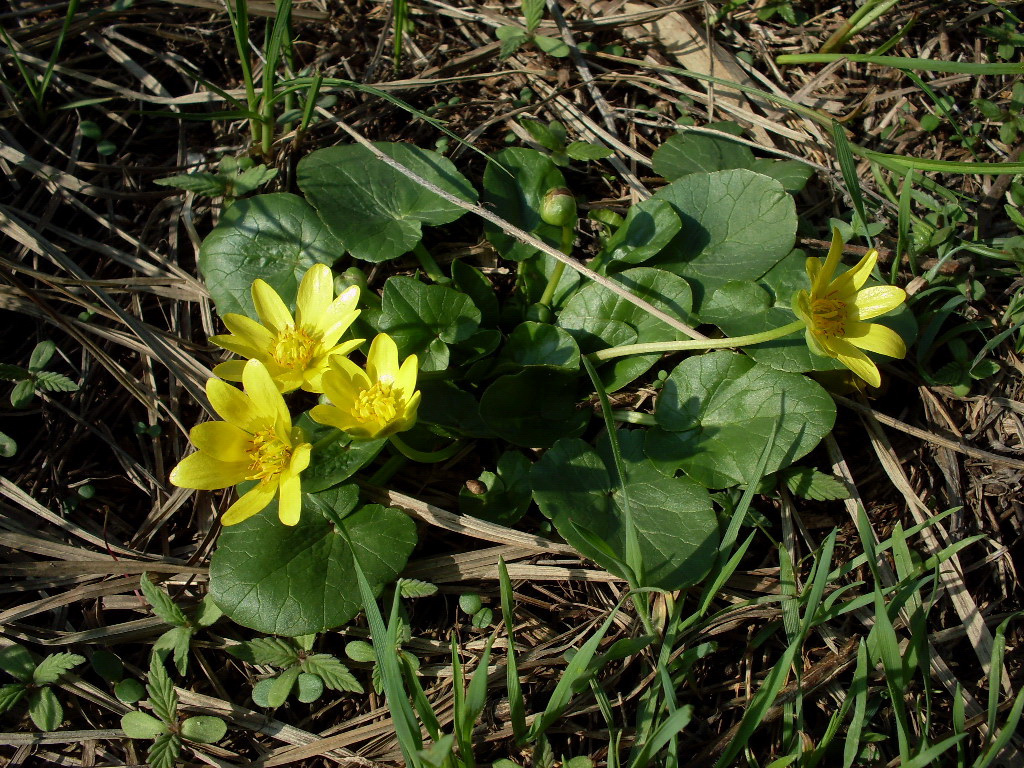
(1005, 734)
(844, 155)
(904, 63)
(69, 16)
(859, 693)
(634, 559)
(517, 713)
(668, 729)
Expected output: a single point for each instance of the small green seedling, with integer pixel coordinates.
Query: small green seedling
(8, 445)
(1009, 117)
(234, 178)
(513, 38)
(178, 639)
(34, 379)
(553, 137)
(34, 680)
(165, 729)
(110, 668)
(304, 673)
(472, 604)
(964, 369)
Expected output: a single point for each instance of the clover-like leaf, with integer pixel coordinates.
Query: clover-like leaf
(373, 208)
(293, 580)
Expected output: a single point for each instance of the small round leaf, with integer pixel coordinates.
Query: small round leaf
(204, 729)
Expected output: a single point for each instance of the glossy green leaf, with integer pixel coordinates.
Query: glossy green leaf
(648, 227)
(276, 237)
(534, 408)
(423, 319)
(718, 411)
(737, 225)
(540, 344)
(293, 580)
(335, 456)
(374, 209)
(598, 318)
(676, 527)
(515, 182)
(506, 495)
(687, 153)
(130, 691)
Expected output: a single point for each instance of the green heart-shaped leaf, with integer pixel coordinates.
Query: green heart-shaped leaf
(275, 237)
(515, 183)
(737, 225)
(295, 580)
(675, 523)
(374, 209)
(718, 411)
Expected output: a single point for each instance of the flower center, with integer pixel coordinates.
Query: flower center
(293, 347)
(376, 404)
(829, 316)
(268, 455)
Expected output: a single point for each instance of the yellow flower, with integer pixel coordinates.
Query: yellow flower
(296, 350)
(376, 403)
(256, 441)
(834, 312)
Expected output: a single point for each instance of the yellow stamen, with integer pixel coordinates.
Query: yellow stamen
(376, 404)
(293, 347)
(268, 455)
(829, 316)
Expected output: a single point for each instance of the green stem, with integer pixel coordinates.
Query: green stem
(331, 437)
(424, 457)
(634, 417)
(430, 265)
(387, 471)
(568, 235)
(680, 346)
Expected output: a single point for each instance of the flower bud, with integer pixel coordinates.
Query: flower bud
(558, 208)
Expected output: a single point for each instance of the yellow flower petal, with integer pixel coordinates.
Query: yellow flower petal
(229, 371)
(256, 500)
(205, 473)
(248, 330)
(382, 360)
(857, 361)
(289, 500)
(315, 294)
(876, 338)
(235, 344)
(332, 416)
(340, 308)
(877, 300)
(835, 253)
(270, 307)
(265, 396)
(345, 380)
(851, 281)
(221, 441)
(333, 333)
(405, 382)
(232, 405)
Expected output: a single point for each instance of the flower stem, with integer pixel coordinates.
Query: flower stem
(680, 346)
(424, 457)
(430, 265)
(568, 235)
